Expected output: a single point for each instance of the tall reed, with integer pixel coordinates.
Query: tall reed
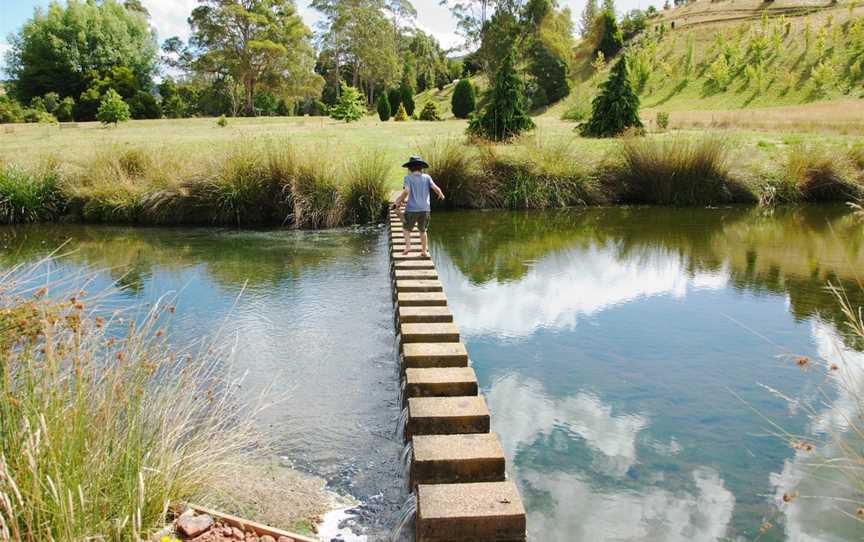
(102, 423)
(30, 196)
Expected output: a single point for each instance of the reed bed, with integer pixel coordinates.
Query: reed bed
(102, 423)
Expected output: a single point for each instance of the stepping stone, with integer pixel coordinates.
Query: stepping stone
(414, 264)
(484, 511)
(421, 299)
(452, 459)
(440, 382)
(416, 274)
(419, 315)
(414, 255)
(429, 333)
(424, 355)
(447, 416)
(422, 285)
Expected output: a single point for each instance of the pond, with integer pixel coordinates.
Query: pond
(631, 357)
(311, 315)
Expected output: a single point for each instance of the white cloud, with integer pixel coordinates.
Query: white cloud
(169, 17)
(584, 510)
(563, 287)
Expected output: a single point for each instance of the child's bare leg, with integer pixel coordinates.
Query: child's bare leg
(424, 240)
(407, 234)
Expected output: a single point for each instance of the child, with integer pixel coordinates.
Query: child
(415, 191)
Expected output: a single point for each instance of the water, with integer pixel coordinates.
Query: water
(623, 354)
(314, 321)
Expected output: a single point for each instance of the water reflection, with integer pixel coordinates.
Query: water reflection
(609, 343)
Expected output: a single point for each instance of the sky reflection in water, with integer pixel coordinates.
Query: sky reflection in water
(612, 346)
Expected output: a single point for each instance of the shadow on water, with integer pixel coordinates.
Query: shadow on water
(609, 343)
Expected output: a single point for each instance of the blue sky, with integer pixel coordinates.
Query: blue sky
(169, 16)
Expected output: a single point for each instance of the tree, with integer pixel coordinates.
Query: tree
(112, 109)
(144, 106)
(383, 107)
(10, 110)
(588, 18)
(464, 100)
(65, 48)
(401, 114)
(255, 42)
(610, 39)
(65, 109)
(406, 96)
(504, 117)
(616, 107)
(394, 96)
(430, 112)
(551, 72)
(351, 105)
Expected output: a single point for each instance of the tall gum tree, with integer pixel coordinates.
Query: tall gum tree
(255, 41)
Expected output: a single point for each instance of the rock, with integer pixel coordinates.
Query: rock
(285, 539)
(237, 533)
(192, 526)
(252, 538)
(267, 538)
(227, 531)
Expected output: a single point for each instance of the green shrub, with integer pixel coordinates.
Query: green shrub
(112, 109)
(39, 116)
(401, 114)
(616, 107)
(350, 106)
(144, 106)
(366, 190)
(672, 171)
(222, 122)
(464, 100)
(383, 107)
(394, 97)
(10, 110)
(65, 109)
(577, 112)
(430, 112)
(29, 196)
(662, 120)
(550, 71)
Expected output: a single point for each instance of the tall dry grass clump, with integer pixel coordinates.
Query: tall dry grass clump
(30, 195)
(102, 423)
(455, 168)
(316, 195)
(675, 171)
(816, 175)
(365, 191)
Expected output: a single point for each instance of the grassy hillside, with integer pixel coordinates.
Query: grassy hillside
(442, 97)
(727, 56)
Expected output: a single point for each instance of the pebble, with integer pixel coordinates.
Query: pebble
(192, 526)
(267, 538)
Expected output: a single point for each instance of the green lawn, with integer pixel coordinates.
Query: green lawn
(200, 139)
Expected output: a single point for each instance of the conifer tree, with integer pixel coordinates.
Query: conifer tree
(394, 96)
(351, 105)
(504, 117)
(383, 107)
(610, 38)
(464, 100)
(406, 95)
(616, 107)
(430, 112)
(401, 114)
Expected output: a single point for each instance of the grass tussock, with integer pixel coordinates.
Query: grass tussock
(366, 189)
(672, 171)
(818, 176)
(102, 423)
(531, 175)
(30, 196)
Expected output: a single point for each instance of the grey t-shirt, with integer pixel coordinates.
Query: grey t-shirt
(419, 185)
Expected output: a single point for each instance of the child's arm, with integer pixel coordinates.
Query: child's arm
(437, 190)
(402, 197)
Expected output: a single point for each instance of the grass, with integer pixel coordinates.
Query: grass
(29, 196)
(673, 171)
(102, 423)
